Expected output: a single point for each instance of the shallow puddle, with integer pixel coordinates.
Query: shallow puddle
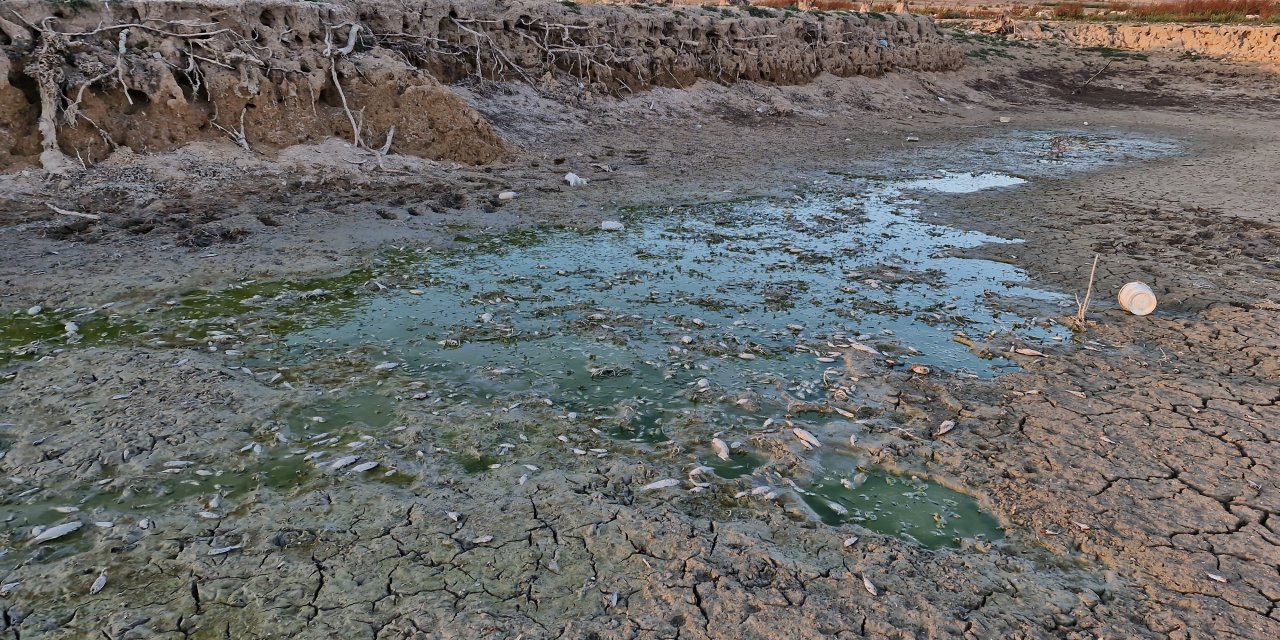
(900, 505)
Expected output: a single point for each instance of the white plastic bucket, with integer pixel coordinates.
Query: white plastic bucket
(1137, 298)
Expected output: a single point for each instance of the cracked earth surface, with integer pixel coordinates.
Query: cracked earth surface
(1134, 469)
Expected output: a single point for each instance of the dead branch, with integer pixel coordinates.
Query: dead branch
(1082, 87)
(237, 136)
(67, 212)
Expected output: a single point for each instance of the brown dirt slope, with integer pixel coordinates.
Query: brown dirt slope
(155, 75)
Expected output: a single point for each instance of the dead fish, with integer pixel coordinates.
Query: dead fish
(808, 439)
(1216, 578)
(217, 551)
(53, 533)
(176, 464)
(1023, 351)
(8, 588)
(66, 509)
(482, 540)
(214, 502)
(208, 515)
(858, 346)
(944, 428)
(838, 508)
(364, 466)
(721, 449)
(342, 462)
(747, 356)
(661, 484)
(871, 588)
(849, 542)
(98, 584)
(523, 479)
(386, 366)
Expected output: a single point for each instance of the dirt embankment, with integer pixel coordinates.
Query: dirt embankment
(1259, 44)
(76, 83)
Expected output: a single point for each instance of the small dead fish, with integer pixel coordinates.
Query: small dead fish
(849, 542)
(523, 479)
(871, 588)
(364, 466)
(208, 515)
(217, 551)
(747, 356)
(8, 588)
(386, 366)
(53, 533)
(1077, 394)
(1216, 578)
(482, 540)
(721, 449)
(944, 428)
(342, 462)
(661, 484)
(858, 346)
(66, 509)
(98, 584)
(1023, 351)
(808, 439)
(838, 508)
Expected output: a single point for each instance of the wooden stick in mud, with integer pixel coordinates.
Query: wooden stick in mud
(1088, 294)
(66, 212)
(1091, 78)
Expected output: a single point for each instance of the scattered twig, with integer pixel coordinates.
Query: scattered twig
(67, 212)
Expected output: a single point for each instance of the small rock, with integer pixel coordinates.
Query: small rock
(507, 195)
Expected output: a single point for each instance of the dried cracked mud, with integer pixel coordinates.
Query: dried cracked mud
(540, 397)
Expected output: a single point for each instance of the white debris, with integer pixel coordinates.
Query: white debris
(573, 180)
(612, 225)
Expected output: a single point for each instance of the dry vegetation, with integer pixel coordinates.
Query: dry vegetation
(1218, 11)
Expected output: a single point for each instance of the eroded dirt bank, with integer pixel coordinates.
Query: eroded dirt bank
(1133, 469)
(152, 76)
(1256, 44)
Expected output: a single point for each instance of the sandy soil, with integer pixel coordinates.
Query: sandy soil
(1134, 469)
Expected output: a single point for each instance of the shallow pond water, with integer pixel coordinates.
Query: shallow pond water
(714, 314)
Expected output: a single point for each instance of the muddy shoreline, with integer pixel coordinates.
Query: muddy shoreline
(1132, 470)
